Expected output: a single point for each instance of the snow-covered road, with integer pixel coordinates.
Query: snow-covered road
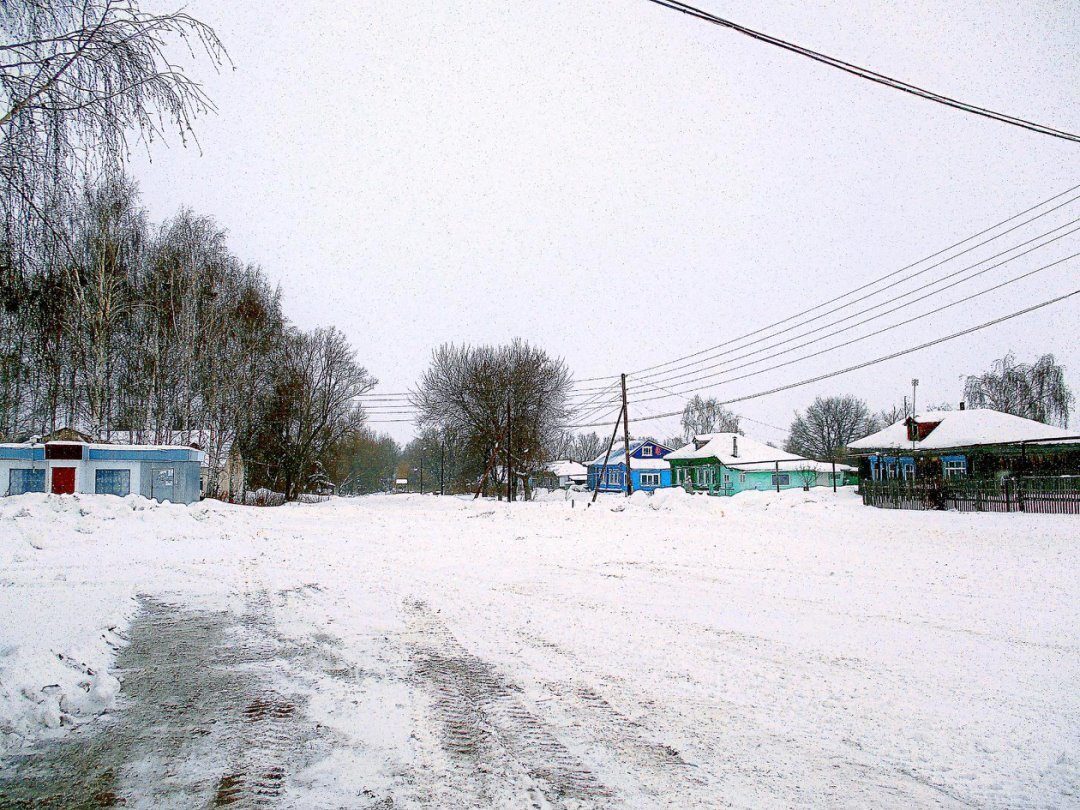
(405, 651)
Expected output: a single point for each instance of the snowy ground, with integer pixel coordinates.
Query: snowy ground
(406, 651)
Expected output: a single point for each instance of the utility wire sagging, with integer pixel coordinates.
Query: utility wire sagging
(865, 73)
(840, 316)
(869, 363)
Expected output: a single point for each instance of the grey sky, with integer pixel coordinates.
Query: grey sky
(623, 184)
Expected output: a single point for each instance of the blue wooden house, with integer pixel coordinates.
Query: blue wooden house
(648, 469)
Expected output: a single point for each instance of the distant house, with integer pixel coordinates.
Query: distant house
(647, 465)
(978, 443)
(727, 463)
(563, 474)
(66, 467)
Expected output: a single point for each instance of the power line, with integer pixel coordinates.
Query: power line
(868, 363)
(685, 399)
(866, 73)
(638, 374)
(886, 302)
(403, 397)
(879, 331)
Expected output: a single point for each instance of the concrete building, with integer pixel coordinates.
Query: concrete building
(163, 473)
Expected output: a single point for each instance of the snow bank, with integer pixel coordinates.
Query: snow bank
(70, 574)
(792, 649)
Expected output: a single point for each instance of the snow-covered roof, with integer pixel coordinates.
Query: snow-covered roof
(100, 445)
(618, 451)
(960, 429)
(567, 469)
(743, 453)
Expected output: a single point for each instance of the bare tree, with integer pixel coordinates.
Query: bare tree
(1034, 391)
(312, 407)
(580, 447)
(808, 475)
(77, 78)
(707, 416)
(828, 425)
(890, 416)
(586, 447)
(467, 390)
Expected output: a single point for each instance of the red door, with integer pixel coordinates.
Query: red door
(63, 480)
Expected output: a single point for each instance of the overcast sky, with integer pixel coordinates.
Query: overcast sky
(623, 184)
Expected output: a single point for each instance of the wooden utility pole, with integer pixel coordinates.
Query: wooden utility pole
(509, 458)
(626, 440)
(776, 475)
(442, 466)
(834, 474)
(607, 455)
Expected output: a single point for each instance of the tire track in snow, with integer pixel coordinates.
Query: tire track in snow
(488, 731)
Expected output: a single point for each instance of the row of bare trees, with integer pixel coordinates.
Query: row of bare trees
(114, 326)
(163, 335)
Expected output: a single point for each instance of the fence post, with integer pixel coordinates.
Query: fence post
(1008, 501)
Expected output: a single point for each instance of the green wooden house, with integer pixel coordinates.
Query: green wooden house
(727, 463)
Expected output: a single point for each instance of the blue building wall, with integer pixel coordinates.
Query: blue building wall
(615, 478)
(162, 473)
(615, 475)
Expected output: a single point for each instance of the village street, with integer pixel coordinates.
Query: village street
(667, 651)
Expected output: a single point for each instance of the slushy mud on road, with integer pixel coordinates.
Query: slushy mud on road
(202, 722)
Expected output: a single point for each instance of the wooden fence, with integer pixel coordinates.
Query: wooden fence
(1054, 495)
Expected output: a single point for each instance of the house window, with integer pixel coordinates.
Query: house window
(703, 476)
(112, 482)
(742, 478)
(954, 466)
(785, 479)
(614, 477)
(20, 481)
(646, 450)
(907, 469)
(650, 479)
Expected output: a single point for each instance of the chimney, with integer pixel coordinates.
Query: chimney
(734, 446)
(961, 405)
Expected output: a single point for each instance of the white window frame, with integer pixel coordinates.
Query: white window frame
(954, 469)
(650, 479)
(646, 450)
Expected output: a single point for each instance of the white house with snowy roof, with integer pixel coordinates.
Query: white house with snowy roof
(566, 473)
(978, 442)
